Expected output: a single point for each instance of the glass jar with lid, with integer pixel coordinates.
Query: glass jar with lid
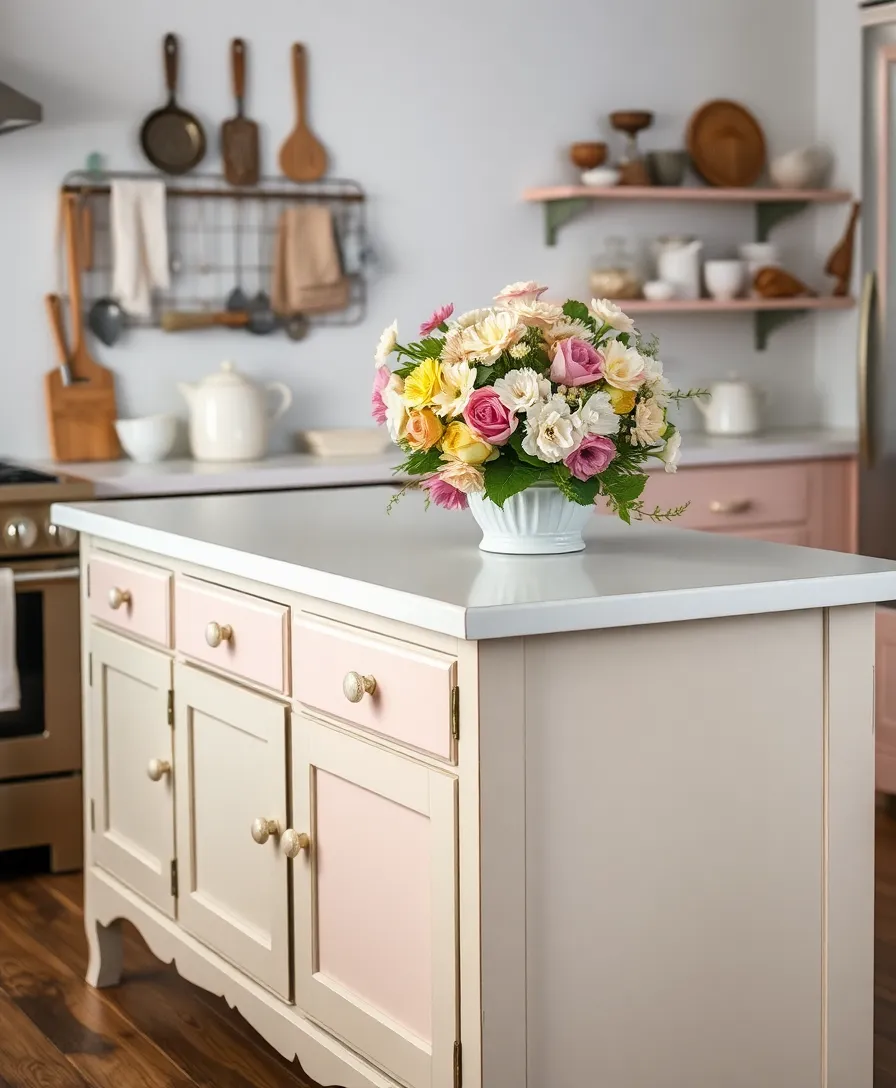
(615, 274)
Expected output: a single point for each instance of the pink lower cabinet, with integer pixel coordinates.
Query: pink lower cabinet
(231, 792)
(376, 902)
(131, 802)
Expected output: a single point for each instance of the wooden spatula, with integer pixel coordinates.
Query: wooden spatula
(81, 416)
(239, 135)
(302, 156)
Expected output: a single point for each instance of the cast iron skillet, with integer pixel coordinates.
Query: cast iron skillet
(172, 139)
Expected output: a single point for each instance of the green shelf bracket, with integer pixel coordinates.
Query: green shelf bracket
(772, 212)
(557, 213)
(767, 321)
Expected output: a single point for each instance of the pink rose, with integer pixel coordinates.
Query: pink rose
(438, 317)
(591, 457)
(443, 494)
(488, 417)
(576, 362)
(377, 404)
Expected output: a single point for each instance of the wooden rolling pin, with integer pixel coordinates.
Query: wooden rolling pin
(178, 321)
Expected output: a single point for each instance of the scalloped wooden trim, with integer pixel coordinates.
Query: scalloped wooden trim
(322, 1058)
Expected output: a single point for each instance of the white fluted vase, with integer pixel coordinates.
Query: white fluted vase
(537, 521)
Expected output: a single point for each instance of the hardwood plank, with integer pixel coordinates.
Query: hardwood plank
(27, 1057)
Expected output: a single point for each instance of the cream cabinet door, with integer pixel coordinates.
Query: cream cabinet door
(376, 902)
(230, 748)
(132, 813)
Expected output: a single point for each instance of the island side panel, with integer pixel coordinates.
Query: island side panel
(849, 843)
(674, 812)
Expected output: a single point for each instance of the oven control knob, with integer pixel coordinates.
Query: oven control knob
(20, 532)
(61, 535)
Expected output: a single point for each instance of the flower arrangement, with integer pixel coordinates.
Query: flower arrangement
(528, 393)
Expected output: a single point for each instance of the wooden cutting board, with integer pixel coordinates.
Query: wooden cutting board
(81, 416)
(239, 135)
(302, 156)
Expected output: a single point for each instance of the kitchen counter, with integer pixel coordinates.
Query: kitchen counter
(423, 567)
(122, 479)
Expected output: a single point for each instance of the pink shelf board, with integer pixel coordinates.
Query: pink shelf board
(737, 305)
(704, 194)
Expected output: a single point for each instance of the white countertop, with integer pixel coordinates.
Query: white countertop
(424, 567)
(123, 479)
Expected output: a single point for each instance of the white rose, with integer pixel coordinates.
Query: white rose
(671, 455)
(519, 390)
(623, 367)
(466, 478)
(608, 313)
(456, 383)
(650, 423)
(387, 343)
(551, 431)
(494, 334)
(535, 314)
(597, 415)
(396, 409)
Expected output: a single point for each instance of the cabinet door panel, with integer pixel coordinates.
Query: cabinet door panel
(375, 903)
(231, 757)
(133, 836)
(885, 700)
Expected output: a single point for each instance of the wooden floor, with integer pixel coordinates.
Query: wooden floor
(157, 1031)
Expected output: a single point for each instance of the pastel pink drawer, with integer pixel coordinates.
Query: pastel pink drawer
(240, 634)
(413, 687)
(732, 497)
(133, 597)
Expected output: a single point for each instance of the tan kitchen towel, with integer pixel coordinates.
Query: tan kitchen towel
(9, 673)
(307, 276)
(139, 243)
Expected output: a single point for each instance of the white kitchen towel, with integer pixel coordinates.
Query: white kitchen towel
(9, 673)
(139, 243)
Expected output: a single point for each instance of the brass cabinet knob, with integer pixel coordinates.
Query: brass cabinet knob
(216, 633)
(355, 685)
(734, 506)
(118, 597)
(292, 843)
(158, 768)
(262, 830)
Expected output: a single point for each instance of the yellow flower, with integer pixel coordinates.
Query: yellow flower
(460, 444)
(422, 384)
(623, 400)
(424, 429)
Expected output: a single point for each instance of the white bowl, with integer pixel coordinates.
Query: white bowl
(659, 291)
(601, 177)
(344, 441)
(805, 168)
(148, 439)
(756, 255)
(724, 279)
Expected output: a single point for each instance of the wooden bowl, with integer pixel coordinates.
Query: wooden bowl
(631, 121)
(588, 154)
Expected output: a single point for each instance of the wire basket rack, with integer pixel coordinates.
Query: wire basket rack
(220, 237)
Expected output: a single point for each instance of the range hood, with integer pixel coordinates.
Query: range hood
(17, 110)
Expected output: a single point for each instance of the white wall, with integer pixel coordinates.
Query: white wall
(445, 113)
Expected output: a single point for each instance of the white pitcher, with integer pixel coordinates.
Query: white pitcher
(678, 262)
(733, 408)
(230, 418)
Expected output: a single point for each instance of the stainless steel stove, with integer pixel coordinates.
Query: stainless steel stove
(40, 743)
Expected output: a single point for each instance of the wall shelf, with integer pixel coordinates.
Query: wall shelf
(564, 202)
(768, 313)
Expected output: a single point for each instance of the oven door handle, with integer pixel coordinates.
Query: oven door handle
(66, 574)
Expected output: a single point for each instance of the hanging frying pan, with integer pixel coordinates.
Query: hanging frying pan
(172, 138)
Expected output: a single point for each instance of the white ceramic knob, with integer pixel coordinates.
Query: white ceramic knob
(292, 843)
(216, 633)
(158, 768)
(262, 830)
(355, 686)
(118, 597)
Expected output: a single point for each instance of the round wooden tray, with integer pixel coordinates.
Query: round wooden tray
(727, 144)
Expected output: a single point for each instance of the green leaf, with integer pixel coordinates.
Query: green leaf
(578, 311)
(421, 463)
(583, 492)
(624, 489)
(431, 347)
(404, 371)
(483, 374)
(506, 476)
(516, 442)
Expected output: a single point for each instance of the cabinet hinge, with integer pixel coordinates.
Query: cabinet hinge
(171, 708)
(458, 1067)
(90, 670)
(455, 713)
(93, 815)
(174, 878)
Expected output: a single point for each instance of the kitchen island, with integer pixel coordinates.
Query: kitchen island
(424, 814)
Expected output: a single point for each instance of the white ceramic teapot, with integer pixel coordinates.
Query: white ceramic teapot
(733, 408)
(230, 418)
(678, 262)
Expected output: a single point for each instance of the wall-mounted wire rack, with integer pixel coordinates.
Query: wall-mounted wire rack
(220, 236)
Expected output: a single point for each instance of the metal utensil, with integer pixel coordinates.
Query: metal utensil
(238, 300)
(296, 326)
(106, 321)
(172, 138)
(239, 135)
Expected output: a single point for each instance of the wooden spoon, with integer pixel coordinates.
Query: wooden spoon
(302, 156)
